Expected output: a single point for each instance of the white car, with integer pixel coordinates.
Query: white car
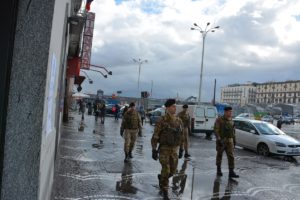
(265, 138)
(245, 116)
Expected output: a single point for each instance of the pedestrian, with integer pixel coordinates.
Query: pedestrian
(225, 141)
(102, 112)
(90, 108)
(117, 110)
(124, 110)
(142, 114)
(168, 134)
(96, 110)
(131, 125)
(279, 123)
(82, 108)
(186, 120)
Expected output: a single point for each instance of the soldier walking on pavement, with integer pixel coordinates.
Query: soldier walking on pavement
(186, 120)
(168, 134)
(131, 125)
(225, 141)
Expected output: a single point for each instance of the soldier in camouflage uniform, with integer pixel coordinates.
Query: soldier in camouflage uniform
(131, 125)
(225, 141)
(168, 134)
(186, 120)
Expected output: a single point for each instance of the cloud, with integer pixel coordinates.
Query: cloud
(257, 42)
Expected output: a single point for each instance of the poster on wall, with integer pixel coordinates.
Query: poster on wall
(51, 97)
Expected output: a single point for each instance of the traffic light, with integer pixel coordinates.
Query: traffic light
(145, 94)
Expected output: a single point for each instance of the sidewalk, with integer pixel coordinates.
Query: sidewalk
(90, 166)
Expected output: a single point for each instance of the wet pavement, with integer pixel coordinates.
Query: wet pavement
(90, 166)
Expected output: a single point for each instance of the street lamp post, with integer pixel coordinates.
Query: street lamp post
(140, 62)
(203, 34)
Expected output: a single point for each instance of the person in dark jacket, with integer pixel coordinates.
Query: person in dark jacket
(279, 123)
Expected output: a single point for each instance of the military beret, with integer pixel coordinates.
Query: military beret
(227, 108)
(131, 105)
(185, 106)
(170, 102)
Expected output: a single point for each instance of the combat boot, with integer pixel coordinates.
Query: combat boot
(126, 158)
(165, 195)
(219, 171)
(180, 154)
(159, 182)
(130, 154)
(186, 155)
(232, 174)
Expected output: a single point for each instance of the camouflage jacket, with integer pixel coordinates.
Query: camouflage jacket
(168, 132)
(185, 118)
(131, 120)
(224, 128)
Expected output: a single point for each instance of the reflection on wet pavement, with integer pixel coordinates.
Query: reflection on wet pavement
(90, 166)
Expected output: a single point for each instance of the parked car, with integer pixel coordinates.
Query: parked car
(245, 116)
(297, 119)
(267, 118)
(265, 138)
(287, 120)
(155, 115)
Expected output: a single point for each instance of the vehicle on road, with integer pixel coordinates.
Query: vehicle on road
(287, 120)
(203, 119)
(156, 114)
(267, 118)
(264, 138)
(245, 116)
(297, 119)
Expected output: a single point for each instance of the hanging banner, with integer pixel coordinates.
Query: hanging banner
(87, 41)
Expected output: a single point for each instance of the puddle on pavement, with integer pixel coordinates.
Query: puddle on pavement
(98, 146)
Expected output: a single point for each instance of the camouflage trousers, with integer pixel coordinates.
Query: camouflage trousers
(185, 144)
(130, 136)
(168, 159)
(228, 148)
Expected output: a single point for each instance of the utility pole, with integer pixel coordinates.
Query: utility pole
(203, 32)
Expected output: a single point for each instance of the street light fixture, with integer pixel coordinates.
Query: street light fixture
(104, 75)
(140, 62)
(203, 34)
(102, 67)
(90, 80)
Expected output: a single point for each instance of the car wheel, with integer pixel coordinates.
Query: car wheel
(263, 149)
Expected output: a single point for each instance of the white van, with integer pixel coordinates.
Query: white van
(203, 118)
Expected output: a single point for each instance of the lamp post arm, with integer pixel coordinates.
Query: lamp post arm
(102, 67)
(85, 74)
(104, 75)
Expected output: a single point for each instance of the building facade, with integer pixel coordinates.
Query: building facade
(40, 37)
(240, 94)
(278, 92)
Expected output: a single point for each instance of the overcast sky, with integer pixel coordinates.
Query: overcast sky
(258, 41)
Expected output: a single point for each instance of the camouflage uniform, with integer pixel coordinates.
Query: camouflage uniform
(186, 120)
(224, 128)
(168, 133)
(131, 124)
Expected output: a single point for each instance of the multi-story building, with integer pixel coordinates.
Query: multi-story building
(278, 92)
(238, 94)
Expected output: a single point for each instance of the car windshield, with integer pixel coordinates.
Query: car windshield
(268, 129)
